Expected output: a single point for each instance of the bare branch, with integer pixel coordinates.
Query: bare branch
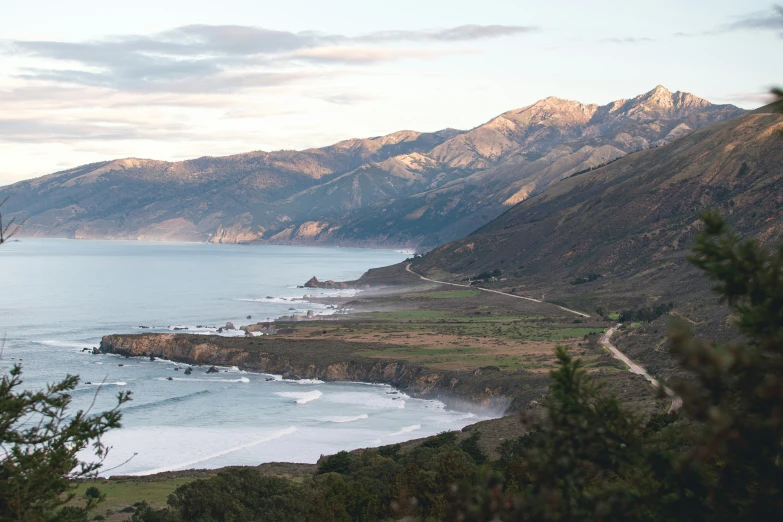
(10, 230)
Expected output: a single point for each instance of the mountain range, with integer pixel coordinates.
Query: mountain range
(408, 189)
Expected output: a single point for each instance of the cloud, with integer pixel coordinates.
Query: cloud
(627, 40)
(224, 58)
(345, 99)
(35, 130)
(455, 34)
(770, 20)
(367, 55)
(748, 98)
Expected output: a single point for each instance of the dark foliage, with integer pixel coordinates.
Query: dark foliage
(587, 278)
(645, 314)
(40, 441)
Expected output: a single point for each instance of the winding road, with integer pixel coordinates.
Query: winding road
(408, 268)
(606, 339)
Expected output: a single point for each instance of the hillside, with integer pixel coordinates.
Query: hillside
(632, 223)
(404, 189)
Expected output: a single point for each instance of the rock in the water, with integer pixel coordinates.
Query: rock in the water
(312, 283)
(270, 379)
(170, 378)
(220, 330)
(229, 325)
(188, 371)
(96, 351)
(152, 357)
(120, 365)
(212, 369)
(176, 369)
(249, 317)
(310, 313)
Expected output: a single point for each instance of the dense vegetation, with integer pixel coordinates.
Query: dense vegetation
(587, 278)
(587, 457)
(645, 314)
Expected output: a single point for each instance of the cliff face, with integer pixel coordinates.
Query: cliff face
(337, 361)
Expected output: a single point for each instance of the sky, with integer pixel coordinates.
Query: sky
(85, 80)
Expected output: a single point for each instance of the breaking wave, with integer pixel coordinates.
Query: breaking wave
(164, 402)
(348, 419)
(273, 436)
(301, 397)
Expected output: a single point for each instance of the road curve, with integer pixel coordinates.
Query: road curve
(605, 339)
(408, 268)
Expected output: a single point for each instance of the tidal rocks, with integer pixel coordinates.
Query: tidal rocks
(249, 317)
(188, 371)
(169, 378)
(212, 369)
(229, 326)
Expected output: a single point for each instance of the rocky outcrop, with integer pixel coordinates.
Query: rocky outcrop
(330, 361)
(315, 283)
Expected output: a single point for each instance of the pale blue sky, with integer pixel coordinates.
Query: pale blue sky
(85, 80)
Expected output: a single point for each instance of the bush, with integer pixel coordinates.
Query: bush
(337, 463)
(587, 278)
(646, 314)
(441, 439)
(92, 492)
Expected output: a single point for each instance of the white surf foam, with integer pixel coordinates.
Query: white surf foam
(279, 378)
(118, 383)
(402, 431)
(348, 419)
(181, 465)
(301, 397)
(196, 379)
(406, 429)
(67, 344)
(376, 402)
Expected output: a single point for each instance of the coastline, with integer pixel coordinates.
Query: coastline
(474, 391)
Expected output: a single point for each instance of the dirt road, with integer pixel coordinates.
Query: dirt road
(605, 339)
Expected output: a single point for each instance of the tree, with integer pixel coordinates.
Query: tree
(40, 440)
(737, 390)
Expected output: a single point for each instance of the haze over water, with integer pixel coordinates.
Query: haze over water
(59, 296)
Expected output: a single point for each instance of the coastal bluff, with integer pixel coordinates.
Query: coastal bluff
(330, 360)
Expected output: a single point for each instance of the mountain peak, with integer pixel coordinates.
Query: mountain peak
(659, 90)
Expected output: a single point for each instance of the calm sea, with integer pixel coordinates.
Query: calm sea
(60, 296)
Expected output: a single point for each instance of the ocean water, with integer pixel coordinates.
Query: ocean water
(60, 296)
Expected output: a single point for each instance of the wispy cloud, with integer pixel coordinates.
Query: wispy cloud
(205, 58)
(345, 99)
(769, 20)
(627, 40)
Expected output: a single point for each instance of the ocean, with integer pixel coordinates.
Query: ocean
(60, 296)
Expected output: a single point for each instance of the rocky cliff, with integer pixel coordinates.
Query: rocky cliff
(330, 360)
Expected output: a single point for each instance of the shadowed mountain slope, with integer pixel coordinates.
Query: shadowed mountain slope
(405, 189)
(633, 221)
